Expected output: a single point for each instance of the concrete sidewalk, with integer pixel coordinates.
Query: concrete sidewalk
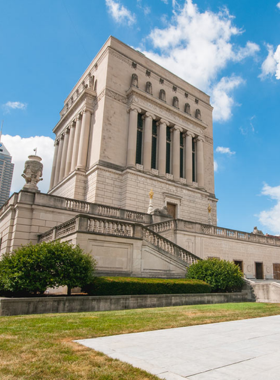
(247, 349)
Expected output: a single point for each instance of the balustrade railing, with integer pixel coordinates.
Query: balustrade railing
(224, 232)
(118, 228)
(168, 246)
(108, 227)
(163, 226)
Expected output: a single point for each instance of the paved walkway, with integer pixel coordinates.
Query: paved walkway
(247, 349)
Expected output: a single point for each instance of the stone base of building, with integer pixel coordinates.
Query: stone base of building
(128, 189)
(132, 243)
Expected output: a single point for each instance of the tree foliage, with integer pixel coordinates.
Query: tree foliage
(31, 269)
(222, 275)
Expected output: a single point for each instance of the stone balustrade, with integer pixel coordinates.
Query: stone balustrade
(163, 226)
(168, 246)
(103, 226)
(224, 232)
(110, 227)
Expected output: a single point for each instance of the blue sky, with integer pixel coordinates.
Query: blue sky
(229, 49)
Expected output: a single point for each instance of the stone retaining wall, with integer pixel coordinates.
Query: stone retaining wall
(74, 304)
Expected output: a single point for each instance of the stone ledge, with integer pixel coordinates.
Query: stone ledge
(75, 304)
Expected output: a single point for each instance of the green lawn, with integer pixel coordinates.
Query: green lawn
(41, 346)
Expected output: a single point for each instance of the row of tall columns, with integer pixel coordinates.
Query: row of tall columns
(71, 148)
(147, 148)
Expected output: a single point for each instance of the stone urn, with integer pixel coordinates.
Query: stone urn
(32, 173)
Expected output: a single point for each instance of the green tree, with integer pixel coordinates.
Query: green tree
(31, 269)
(222, 275)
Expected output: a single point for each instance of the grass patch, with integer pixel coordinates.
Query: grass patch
(41, 346)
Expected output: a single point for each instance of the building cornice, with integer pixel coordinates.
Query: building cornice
(174, 116)
(85, 102)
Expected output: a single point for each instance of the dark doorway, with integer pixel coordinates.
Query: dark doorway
(259, 271)
(276, 271)
(239, 263)
(171, 208)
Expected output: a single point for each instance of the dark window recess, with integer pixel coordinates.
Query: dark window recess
(154, 145)
(181, 155)
(168, 149)
(193, 160)
(259, 271)
(139, 139)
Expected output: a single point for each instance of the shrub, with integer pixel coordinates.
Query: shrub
(105, 286)
(31, 269)
(222, 275)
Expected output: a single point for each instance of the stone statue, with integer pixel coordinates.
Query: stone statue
(209, 214)
(134, 80)
(162, 95)
(175, 102)
(187, 108)
(257, 232)
(149, 89)
(162, 211)
(198, 114)
(32, 173)
(151, 208)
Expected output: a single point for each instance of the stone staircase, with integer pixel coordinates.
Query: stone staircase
(114, 227)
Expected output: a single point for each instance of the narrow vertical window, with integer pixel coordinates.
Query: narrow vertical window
(181, 155)
(139, 139)
(168, 149)
(154, 145)
(193, 160)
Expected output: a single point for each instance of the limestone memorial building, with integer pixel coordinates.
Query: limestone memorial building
(133, 177)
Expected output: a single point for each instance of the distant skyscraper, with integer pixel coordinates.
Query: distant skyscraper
(6, 173)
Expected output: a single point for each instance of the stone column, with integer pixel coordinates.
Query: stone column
(83, 145)
(200, 162)
(147, 159)
(54, 164)
(132, 135)
(76, 142)
(189, 177)
(69, 156)
(162, 147)
(176, 153)
(64, 154)
(58, 166)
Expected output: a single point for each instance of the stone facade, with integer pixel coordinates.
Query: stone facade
(128, 126)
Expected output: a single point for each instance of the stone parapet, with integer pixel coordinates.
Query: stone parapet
(194, 227)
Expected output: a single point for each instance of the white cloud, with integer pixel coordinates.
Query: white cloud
(20, 148)
(215, 166)
(144, 8)
(120, 13)
(277, 58)
(269, 65)
(165, 1)
(223, 150)
(14, 105)
(222, 101)
(271, 218)
(197, 46)
(278, 5)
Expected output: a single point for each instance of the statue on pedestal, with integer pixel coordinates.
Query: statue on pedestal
(32, 173)
(151, 209)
